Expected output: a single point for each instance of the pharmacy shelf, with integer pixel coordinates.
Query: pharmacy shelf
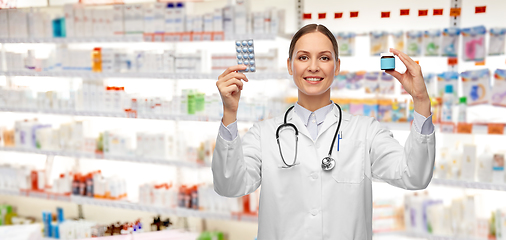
(478, 128)
(169, 76)
(436, 237)
(9, 192)
(134, 38)
(463, 184)
(120, 115)
(414, 235)
(469, 184)
(170, 162)
(125, 38)
(182, 212)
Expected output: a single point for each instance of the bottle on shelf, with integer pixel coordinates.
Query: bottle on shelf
(484, 167)
(455, 163)
(498, 168)
(442, 164)
(448, 101)
(462, 110)
(435, 104)
(59, 30)
(97, 60)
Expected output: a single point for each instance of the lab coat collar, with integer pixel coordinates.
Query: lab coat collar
(320, 113)
(330, 119)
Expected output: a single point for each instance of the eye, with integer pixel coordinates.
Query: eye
(303, 58)
(325, 58)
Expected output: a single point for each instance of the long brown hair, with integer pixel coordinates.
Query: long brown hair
(309, 29)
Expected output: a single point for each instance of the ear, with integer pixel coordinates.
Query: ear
(338, 67)
(289, 66)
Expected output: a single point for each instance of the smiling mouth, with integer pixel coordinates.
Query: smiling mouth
(313, 79)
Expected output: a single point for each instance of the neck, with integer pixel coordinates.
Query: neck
(313, 103)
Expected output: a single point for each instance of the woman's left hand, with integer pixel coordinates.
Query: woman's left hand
(412, 81)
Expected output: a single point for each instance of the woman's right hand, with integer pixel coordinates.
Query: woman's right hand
(230, 85)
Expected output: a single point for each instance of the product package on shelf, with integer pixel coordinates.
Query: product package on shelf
(465, 162)
(498, 170)
(340, 80)
(4, 24)
(399, 111)
(431, 42)
(447, 78)
(398, 38)
(386, 84)
(450, 42)
(371, 82)
(150, 21)
(414, 43)
(356, 107)
(424, 215)
(379, 42)
(430, 84)
(343, 102)
(473, 40)
(387, 216)
(496, 41)
(346, 43)
(28, 180)
(354, 80)
(370, 107)
(499, 90)
(476, 86)
(384, 110)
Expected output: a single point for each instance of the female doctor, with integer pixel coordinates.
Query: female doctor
(316, 180)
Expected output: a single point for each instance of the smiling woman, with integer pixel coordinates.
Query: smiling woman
(313, 62)
(315, 163)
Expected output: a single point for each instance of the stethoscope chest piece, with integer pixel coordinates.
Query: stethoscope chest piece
(328, 163)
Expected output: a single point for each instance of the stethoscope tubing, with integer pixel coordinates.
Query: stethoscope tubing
(291, 125)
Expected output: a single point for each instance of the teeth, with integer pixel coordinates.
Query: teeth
(313, 79)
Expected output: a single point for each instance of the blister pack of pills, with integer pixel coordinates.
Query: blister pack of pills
(246, 54)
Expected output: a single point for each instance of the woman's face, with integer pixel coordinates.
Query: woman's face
(313, 65)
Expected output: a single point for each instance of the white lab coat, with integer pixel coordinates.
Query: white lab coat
(305, 202)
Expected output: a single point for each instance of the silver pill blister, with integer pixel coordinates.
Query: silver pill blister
(246, 54)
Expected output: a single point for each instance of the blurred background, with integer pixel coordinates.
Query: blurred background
(109, 111)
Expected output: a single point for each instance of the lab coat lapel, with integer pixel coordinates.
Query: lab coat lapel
(295, 119)
(331, 121)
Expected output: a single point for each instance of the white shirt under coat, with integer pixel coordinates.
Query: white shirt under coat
(305, 202)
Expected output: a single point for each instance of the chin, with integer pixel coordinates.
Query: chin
(313, 93)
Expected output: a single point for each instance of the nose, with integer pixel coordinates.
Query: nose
(313, 66)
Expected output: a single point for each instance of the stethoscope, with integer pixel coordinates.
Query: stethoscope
(328, 163)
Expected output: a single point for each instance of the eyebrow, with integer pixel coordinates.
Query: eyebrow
(303, 51)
